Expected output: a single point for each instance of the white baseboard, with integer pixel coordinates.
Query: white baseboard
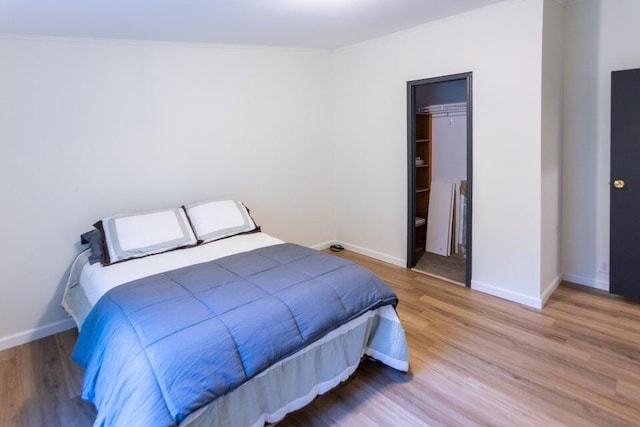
(374, 254)
(549, 288)
(587, 281)
(36, 333)
(527, 300)
(507, 294)
(322, 246)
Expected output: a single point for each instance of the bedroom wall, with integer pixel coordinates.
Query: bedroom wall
(552, 105)
(91, 128)
(502, 45)
(600, 38)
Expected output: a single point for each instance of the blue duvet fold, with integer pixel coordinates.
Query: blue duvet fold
(158, 348)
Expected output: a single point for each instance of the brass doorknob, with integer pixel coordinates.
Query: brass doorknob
(618, 183)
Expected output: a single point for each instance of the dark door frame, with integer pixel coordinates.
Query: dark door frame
(411, 163)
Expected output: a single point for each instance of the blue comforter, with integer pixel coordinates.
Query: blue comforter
(158, 348)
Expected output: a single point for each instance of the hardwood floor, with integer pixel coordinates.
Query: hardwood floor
(475, 360)
(40, 386)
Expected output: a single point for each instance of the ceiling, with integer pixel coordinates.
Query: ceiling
(300, 23)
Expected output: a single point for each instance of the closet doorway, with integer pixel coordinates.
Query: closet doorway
(439, 123)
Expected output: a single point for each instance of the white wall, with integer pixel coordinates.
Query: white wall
(181, 123)
(90, 128)
(502, 46)
(600, 37)
(552, 104)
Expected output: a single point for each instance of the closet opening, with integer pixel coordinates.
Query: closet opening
(439, 161)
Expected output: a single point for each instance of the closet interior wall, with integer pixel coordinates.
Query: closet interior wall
(449, 162)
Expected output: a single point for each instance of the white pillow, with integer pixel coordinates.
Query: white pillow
(129, 236)
(216, 220)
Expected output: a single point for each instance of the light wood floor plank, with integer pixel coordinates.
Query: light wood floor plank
(11, 395)
(475, 360)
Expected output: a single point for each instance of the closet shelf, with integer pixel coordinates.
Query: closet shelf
(421, 178)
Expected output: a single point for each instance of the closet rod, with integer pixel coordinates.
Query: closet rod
(449, 114)
(443, 108)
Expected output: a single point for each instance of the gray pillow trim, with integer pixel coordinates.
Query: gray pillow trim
(247, 225)
(116, 253)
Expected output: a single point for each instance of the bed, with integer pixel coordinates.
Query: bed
(148, 354)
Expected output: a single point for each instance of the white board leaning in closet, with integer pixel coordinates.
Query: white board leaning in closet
(440, 218)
